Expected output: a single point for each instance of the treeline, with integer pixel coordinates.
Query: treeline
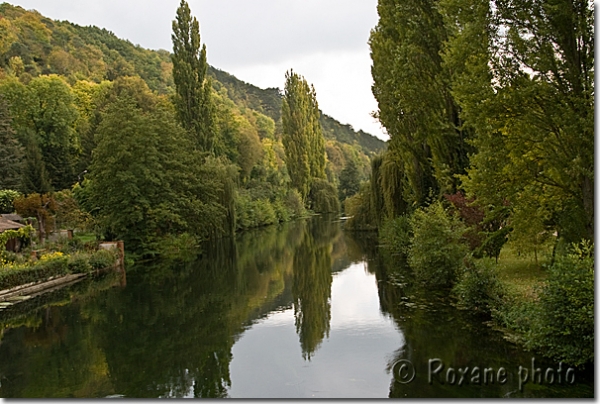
(151, 147)
(489, 106)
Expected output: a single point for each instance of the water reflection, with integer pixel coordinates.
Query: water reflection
(229, 324)
(311, 286)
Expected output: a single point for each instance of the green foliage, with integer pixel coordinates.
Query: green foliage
(103, 259)
(396, 234)
(565, 328)
(536, 155)
(183, 247)
(302, 133)
(193, 89)
(293, 202)
(79, 263)
(323, 197)
(360, 210)
(349, 180)
(7, 197)
(69, 215)
(479, 289)
(23, 234)
(415, 104)
(11, 152)
(436, 252)
(35, 176)
(144, 182)
(42, 270)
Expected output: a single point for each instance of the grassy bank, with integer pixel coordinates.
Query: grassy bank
(545, 304)
(548, 307)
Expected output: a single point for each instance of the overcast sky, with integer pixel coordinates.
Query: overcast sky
(257, 41)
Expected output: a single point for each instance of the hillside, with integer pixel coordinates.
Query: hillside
(268, 101)
(39, 46)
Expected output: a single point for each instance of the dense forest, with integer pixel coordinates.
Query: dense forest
(153, 147)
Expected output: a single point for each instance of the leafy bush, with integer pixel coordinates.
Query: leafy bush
(359, 208)
(7, 196)
(396, 234)
(436, 251)
(103, 259)
(253, 213)
(293, 202)
(565, 329)
(281, 211)
(52, 265)
(323, 197)
(79, 263)
(479, 288)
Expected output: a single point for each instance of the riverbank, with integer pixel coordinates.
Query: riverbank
(33, 271)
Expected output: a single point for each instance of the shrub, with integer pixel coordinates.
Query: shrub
(7, 196)
(265, 214)
(436, 251)
(103, 259)
(293, 202)
(55, 264)
(360, 210)
(479, 288)
(323, 197)
(396, 234)
(281, 211)
(79, 263)
(565, 329)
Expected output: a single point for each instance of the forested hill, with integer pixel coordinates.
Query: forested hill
(268, 101)
(33, 45)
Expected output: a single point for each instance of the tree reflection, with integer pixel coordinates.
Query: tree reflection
(311, 286)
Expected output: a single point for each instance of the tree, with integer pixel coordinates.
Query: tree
(349, 180)
(45, 109)
(193, 88)
(53, 117)
(144, 182)
(35, 177)
(527, 88)
(40, 207)
(302, 133)
(11, 152)
(412, 88)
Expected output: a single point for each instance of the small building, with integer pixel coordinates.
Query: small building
(13, 217)
(13, 244)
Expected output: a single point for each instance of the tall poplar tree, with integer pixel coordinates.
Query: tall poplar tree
(193, 87)
(412, 88)
(302, 133)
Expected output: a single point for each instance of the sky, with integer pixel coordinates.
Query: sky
(326, 41)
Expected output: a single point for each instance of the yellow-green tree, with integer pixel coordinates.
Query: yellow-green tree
(302, 134)
(193, 88)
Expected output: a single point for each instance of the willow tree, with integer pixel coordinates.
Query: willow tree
(193, 87)
(302, 133)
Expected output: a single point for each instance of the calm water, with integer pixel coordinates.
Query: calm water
(299, 310)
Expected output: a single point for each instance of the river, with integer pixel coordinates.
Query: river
(297, 310)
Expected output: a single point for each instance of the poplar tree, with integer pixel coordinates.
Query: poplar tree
(413, 91)
(193, 87)
(302, 133)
